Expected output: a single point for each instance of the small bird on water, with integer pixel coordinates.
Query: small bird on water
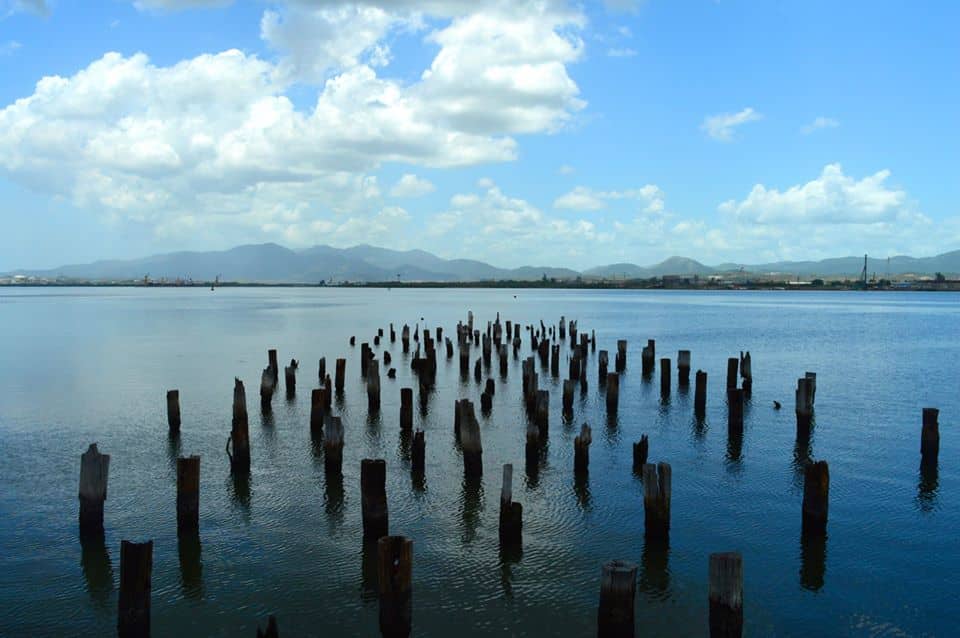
(776, 405)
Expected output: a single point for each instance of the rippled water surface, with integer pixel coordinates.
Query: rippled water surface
(85, 365)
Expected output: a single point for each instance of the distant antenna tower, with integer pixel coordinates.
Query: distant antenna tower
(863, 275)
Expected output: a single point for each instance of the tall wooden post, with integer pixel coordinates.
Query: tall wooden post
(318, 405)
(804, 398)
(683, 368)
(339, 373)
(700, 394)
(613, 392)
(322, 369)
(816, 498)
(602, 363)
(656, 500)
(240, 433)
(373, 385)
(188, 495)
(735, 411)
(733, 364)
(542, 410)
(136, 567)
(618, 588)
(173, 411)
(94, 472)
(418, 453)
(406, 408)
(640, 452)
(621, 355)
(648, 358)
(511, 513)
(568, 387)
(581, 450)
(333, 446)
(664, 378)
(470, 441)
(930, 436)
(726, 595)
(395, 575)
(290, 378)
(373, 501)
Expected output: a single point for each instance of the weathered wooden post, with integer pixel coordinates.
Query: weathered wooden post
(376, 340)
(613, 392)
(816, 497)
(563, 328)
(318, 404)
(532, 448)
(735, 411)
(373, 385)
(322, 369)
(418, 453)
(930, 436)
(333, 446)
(746, 373)
(365, 356)
(656, 500)
(464, 359)
(240, 432)
(700, 395)
(136, 567)
(406, 408)
(581, 450)
(555, 360)
(395, 575)
(290, 377)
(664, 378)
(94, 472)
(373, 498)
(726, 595)
(339, 374)
(268, 384)
(173, 411)
(393, 334)
(602, 363)
(574, 368)
(491, 387)
(542, 409)
(568, 387)
(511, 513)
(353, 340)
(504, 359)
(683, 368)
(478, 370)
(272, 363)
(804, 397)
(621, 362)
(271, 631)
(811, 378)
(648, 358)
(732, 364)
(640, 451)
(618, 588)
(188, 495)
(470, 441)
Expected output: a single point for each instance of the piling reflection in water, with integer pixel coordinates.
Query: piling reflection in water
(191, 568)
(369, 591)
(928, 486)
(174, 446)
(333, 497)
(240, 489)
(97, 568)
(581, 488)
(654, 568)
(472, 508)
(802, 455)
(813, 561)
(510, 555)
(734, 450)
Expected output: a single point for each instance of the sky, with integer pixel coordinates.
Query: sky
(540, 132)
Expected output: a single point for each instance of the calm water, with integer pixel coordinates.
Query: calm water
(84, 365)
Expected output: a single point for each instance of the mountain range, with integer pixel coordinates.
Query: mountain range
(271, 263)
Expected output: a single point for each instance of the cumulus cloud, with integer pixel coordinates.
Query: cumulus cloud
(721, 127)
(831, 198)
(583, 198)
(819, 123)
(412, 186)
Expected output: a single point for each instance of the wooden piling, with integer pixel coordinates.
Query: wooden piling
(290, 379)
(406, 408)
(94, 472)
(365, 356)
(418, 453)
(490, 388)
(239, 450)
(656, 500)
(511, 513)
(395, 576)
(173, 411)
(486, 402)
(613, 392)
(568, 386)
(333, 446)
(405, 338)
(804, 409)
(726, 595)
(504, 359)
(746, 373)
(640, 451)
(700, 394)
(555, 360)
(470, 441)
(621, 361)
(574, 368)
(188, 495)
(733, 364)
(268, 384)
(373, 385)
(664, 378)
(735, 411)
(542, 409)
(353, 341)
(318, 407)
(618, 587)
(322, 369)
(464, 359)
(373, 501)
(811, 378)
(339, 373)
(271, 631)
(478, 370)
(602, 362)
(683, 368)
(581, 450)
(930, 436)
(272, 362)
(136, 567)
(816, 498)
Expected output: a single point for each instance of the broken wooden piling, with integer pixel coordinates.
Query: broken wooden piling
(683, 368)
(664, 378)
(746, 373)
(470, 441)
(621, 359)
(188, 495)
(541, 411)
(930, 436)
(395, 576)
(733, 364)
(581, 450)
(173, 411)
(290, 377)
(94, 472)
(511, 513)
(333, 446)
(816, 498)
(735, 411)
(640, 451)
(613, 392)
(373, 385)
(133, 609)
(618, 587)
(239, 443)
(804, 409)
(339, 373)
(318, 407)
(656, 500)
(322, 369)
(568, 386)
(603, 360)
(373, 498)
(726, 595)
(418, 453)
(700, 395)
(406, 408)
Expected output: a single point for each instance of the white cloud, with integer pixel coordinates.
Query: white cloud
(721, 127)
(176, 5)
(629, 6)
(832, 198)
(623, 52)
(412, 186)
(566, 169)
(583, 198)
(39, 7)
(818, 124)
(9, 48)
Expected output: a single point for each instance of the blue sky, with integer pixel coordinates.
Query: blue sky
(544, 132)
